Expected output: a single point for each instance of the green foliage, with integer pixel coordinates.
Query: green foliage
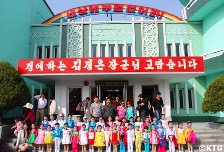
(13, 89)
(214, 96)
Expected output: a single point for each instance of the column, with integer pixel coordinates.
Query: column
(167, 102)
(137, 91)
(164, 39)
(173, 52)
(116, 49)
(99, 92)
(107, 49)
(35, 51)
(125, 49)
(43, 51)
(41, 89)
(182, 48)
(32, 95)
(85, 92)
(186, 98)
(133, 45)
(59, 49)
(51, 50)
(98, 49)
(90, 40)
(195, 98)
(177, 99)
(190, 53)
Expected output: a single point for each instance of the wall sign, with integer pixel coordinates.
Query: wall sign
(111, 65)
(127, 9)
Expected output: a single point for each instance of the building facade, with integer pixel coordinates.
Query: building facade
(73, 59)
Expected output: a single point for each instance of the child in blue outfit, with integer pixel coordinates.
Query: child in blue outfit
(57, 136)
(45, 122)
(70, 122)
(155, 122)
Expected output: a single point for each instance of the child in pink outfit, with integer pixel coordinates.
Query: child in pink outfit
(18, 126)
(121, 110)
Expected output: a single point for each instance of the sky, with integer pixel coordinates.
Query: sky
(170, 6)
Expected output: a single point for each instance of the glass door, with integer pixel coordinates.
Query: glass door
(75, 96)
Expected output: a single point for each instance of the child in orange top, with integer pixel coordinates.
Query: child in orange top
(190, 136)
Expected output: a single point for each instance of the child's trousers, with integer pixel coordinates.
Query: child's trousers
(122, 147)
(147, 146)
(138, 145)
(171, 146)
(130, 146)
(108, 146)
(57, 142)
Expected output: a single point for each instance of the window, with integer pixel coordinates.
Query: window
(47, 51)
(129, 50)
(181, 98)
(94, 48)
(112, 50)
(39, 52)
(172, 99)
(169, 49)
(186, 49)
(102, 50)
(120, 50)
(55, 48)
(177, 49)
(190, 98)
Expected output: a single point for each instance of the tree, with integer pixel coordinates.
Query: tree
(13, 89)
(214, 96)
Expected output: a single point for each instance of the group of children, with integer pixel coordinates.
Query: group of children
(155, 135)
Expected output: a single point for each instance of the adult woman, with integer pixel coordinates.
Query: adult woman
(53, 108)
(28, 116)
(21, 143)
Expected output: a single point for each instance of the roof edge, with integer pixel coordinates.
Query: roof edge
(49, 7)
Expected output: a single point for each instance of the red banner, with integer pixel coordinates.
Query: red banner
(107, 65)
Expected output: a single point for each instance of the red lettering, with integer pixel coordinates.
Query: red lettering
(118, 8)
(106, 7)
(131, 9)
(153, 13)
(160, 14)
(82, 11)
(93, 9)
(71, 13)
(142, 10)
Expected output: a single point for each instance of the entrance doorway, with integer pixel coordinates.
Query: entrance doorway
(149, 92)
(75, 96)
(111, 92)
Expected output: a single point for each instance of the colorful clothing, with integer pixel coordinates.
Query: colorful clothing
(146, 141)
(123, 139)
(45, 123)
(115, 137)
(52, 123)
(66, 136)
(91, 137)
(133, 125)
(155, 123)
(61, 122)
(110, 123)
(57, 135)
(75, 141)
(40, 137)
(107, 135)
(121, 111)
(83, 137)
(93, 124)
(70, 123)
(138, 137)
(162, 141)
(102, 124)
(87, 125)
(171, 137)
(99, 139)
(146, 124)
(190, 135)
(79, 125)
(48, 137)
(131, 139)
(164, 123)
(18, 126)
(180, 136)
(32, 137)
(153, 137)
(130, 112)
(140, 124)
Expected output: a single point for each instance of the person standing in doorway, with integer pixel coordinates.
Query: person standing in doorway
(84, 107)
(116, 102)
(95, 108)
(41, 104)
(142, 107)
(108, 110)
(53, 108)
(158, 105)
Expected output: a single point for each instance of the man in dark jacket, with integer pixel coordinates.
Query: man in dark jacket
(108, 110)
(158, 105)
(142, 107)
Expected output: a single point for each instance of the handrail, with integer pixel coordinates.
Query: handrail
(190, 4)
